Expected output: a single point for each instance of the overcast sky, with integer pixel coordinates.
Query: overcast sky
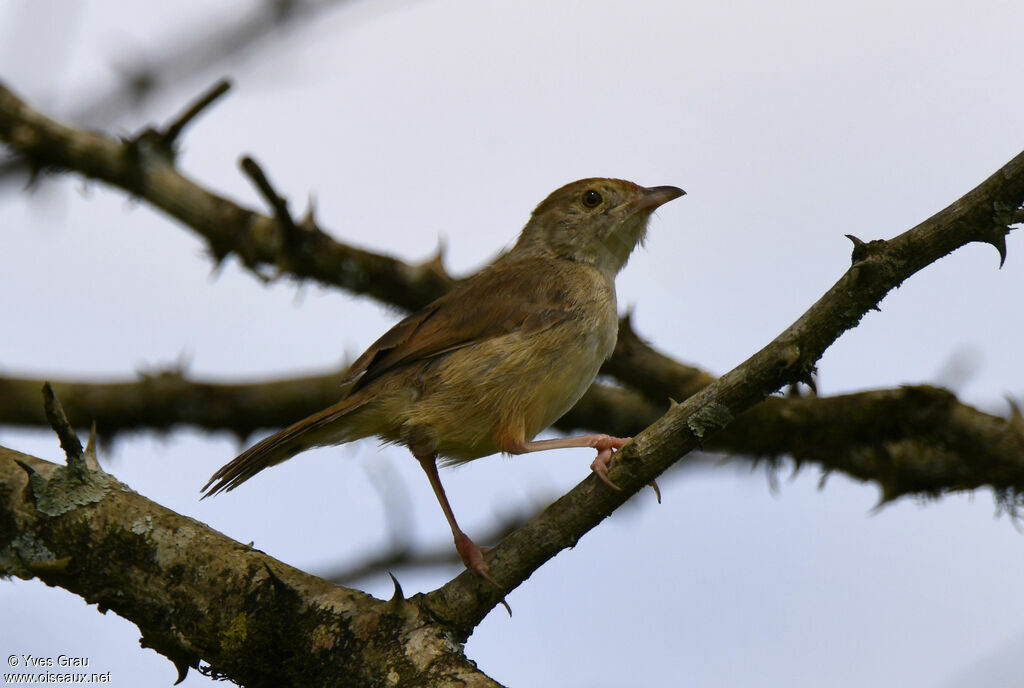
(417, 122)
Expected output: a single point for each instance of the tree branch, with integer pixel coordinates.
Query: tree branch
(918, 441)
(910, 440)
(147, 171)
(196, 594)
(168, 399)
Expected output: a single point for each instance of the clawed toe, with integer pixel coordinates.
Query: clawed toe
(600, 467)
(606, 446)
(473, 557)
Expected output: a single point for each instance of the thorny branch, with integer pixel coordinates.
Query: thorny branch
(143, 167)
(198, 595)
(984, 215)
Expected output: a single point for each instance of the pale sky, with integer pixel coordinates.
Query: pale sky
(420, 122)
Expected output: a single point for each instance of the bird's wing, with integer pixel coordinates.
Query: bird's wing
(499, 300)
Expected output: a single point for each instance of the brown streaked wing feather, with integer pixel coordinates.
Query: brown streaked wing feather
(496, 301)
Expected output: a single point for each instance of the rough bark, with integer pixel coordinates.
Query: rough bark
(195, 594)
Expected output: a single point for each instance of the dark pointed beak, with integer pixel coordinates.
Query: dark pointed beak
(657, 196)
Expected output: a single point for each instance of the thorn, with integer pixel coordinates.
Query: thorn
(217, 269)
(435, 264)
(397, 596)
(308, 221)
(773, 480)
(277, 202)
(797, 465)
(173, 131)
(1016, 419)
(91, 461)
(218, 251)
(442, 248)
(182, 668)
(860, 249)
(1000, 245)
(884, 500)
(36, 482)
(507, 608)
(657, 490)
(35, 173)
(68, 440)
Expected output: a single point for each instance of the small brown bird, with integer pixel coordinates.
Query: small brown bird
(498, 359)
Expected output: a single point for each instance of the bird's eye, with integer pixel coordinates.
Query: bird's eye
(591, 198)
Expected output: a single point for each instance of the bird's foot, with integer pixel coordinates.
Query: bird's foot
(606, 446)
(473, 557)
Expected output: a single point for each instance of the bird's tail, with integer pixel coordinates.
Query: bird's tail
(323, 427)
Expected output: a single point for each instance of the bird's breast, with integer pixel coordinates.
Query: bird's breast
(503, 390)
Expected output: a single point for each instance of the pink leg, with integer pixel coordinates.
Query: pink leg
(472, 555)
(606, 446)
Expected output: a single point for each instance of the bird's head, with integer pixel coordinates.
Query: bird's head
(596, 221)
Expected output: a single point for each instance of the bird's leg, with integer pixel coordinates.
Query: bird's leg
(472, 555)
(606, 446)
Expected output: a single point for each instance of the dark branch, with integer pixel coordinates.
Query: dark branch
(197, 594)
(909, 440)
(58, 420)
(276, 202)
(166, 400)
(177, 126)
(148, 172)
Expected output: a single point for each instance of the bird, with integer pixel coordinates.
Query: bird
(487, 366)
